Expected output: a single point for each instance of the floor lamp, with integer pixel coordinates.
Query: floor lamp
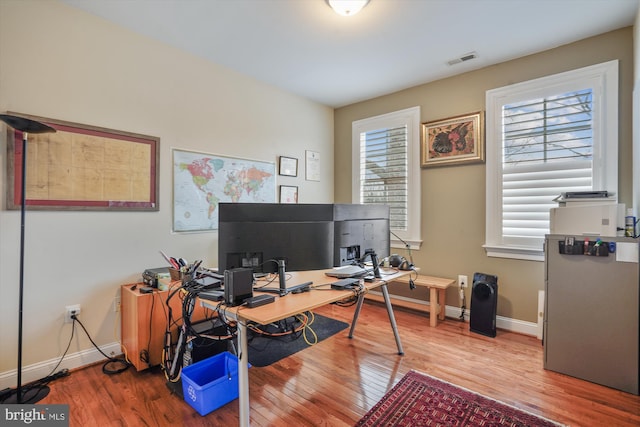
(25, 126)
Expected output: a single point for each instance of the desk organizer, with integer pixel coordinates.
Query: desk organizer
(175, 274)
(211, 383)
(581, 247)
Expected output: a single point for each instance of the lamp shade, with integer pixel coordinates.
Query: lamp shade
(347, 7)
(25, 125)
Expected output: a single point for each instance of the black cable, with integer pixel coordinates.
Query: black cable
(188, 307)
(353, 299)
(144, 354)
(73, 330)
(167, 361)
(175, 351)
(168, 342)
(412, 284)
(110, 360)
(42, 382)
(289, 328)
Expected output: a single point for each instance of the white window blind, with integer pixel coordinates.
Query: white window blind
(545, 137)
(384, 172)
(547, 149)
(386, 169)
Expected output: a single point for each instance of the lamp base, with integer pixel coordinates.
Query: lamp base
(29, 395)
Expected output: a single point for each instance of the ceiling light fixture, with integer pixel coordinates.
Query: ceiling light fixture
(347, 7)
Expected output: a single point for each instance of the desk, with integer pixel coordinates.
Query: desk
(293, 304)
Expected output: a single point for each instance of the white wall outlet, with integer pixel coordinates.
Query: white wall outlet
(71, 310)
(462, 280)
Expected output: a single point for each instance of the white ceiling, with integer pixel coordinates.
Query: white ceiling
(303, 47)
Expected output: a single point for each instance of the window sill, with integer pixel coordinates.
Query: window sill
(513, 252)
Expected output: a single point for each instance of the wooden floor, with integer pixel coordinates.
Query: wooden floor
(335, 382)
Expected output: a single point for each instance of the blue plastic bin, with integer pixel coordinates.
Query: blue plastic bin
(211, 383)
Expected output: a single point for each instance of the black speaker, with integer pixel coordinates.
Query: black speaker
(484, 303)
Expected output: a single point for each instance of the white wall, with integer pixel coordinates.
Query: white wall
(61, 63)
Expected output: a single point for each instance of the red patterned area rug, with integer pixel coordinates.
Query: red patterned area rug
(421, 400)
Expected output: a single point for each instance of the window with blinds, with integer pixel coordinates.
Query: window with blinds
(545, 137)
(547, 149)
(384, 172)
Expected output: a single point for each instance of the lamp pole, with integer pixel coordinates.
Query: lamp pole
(25, 126)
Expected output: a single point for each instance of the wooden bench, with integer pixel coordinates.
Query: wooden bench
(437, 295)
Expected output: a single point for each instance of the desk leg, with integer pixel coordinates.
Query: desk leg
(356, 314)
(243, 376)
(392, 317)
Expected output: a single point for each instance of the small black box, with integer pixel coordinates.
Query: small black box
(344, 284)
(260, 300)
(238, 285)
(200, 348)
(150, 275)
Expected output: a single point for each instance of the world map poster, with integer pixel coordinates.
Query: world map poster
(202, 181)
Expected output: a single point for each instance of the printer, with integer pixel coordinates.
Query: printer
(584, 216)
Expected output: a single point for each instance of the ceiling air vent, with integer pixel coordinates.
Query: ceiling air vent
(466, 57)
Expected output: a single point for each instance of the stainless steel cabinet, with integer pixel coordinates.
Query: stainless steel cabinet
(591, 318)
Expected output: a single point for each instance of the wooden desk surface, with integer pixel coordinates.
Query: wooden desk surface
(292, 304)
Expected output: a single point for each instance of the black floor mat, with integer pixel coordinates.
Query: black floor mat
(265, 350)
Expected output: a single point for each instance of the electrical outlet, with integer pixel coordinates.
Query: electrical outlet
(71, 310)
(462, 280)
(116, 305)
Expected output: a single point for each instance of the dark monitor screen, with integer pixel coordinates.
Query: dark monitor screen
(353, 238)
(358, 229)
(303, 245)
(306, 236)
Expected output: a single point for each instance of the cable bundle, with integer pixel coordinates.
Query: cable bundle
(294, 327)
(173, 352)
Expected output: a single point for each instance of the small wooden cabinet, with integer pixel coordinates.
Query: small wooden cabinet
(144, 323)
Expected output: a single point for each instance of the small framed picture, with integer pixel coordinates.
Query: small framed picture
(288, 194)
(312, 167)
(288, 166)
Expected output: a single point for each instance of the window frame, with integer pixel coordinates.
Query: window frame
(603, 79)
(409, 117)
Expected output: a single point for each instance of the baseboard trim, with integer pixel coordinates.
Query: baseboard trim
(506, 323)
(8, 379)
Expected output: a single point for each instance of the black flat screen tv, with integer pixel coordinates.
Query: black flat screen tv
(306, 236)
